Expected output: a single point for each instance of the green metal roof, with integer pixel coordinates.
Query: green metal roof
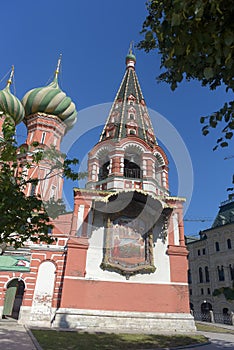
(225, 214)
(13, 263)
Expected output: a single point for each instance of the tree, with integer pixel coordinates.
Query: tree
(26, 218)
(196, 41)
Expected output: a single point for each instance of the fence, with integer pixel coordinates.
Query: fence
(213, 317)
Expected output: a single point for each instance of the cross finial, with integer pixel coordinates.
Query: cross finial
(131, 47)
(58, 65)
(9, 81)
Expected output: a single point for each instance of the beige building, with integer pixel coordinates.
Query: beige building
(211, 268)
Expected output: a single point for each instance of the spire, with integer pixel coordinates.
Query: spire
(129, 115)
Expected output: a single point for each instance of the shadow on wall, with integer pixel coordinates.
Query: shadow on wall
(63, 322)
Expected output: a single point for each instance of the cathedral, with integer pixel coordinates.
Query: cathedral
(120, 260)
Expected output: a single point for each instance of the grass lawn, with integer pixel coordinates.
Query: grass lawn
(212, 328)
(69, 340)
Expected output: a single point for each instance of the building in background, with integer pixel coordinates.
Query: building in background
(120, 259)
(211, 268)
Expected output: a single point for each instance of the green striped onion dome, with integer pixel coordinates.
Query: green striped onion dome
(51, 100)
(10, 105)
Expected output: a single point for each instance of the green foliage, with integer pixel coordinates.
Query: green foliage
(226, 291)
(27, 218)
(196, 41)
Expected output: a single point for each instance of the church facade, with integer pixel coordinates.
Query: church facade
(120, 260)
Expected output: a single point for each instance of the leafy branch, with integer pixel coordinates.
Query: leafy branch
(196, 41)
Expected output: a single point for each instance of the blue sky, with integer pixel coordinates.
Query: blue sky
(93, 37)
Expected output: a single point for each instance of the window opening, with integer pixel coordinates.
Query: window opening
(104, 171)
(200, 275)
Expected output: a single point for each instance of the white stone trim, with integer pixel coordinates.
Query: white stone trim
(124, 321)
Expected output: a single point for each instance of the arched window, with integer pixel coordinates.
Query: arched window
(200, 275)
(221, 273)
(229, 244)
(217, 246)
(132, 132)
(207, 275)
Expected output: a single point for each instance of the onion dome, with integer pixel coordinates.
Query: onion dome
(130, 58)
(51, 100)
(10, 105)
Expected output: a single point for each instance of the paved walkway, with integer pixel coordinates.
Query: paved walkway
(14, 336)
(218, 341)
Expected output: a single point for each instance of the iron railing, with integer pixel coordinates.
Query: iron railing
(133, 173)
(213, 317)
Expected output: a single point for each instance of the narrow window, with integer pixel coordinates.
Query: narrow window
(200, 275)
(189, 277)
(202, 291)
(207, 274)
(43, 137)
(33, 189)
(204, 251)
(229, 244)
(55, 141)
(198, 252)
(208, 290)
(31, 137)
(217, 246)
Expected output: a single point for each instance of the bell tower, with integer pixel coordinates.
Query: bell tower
(127, 156)
(126, 254)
